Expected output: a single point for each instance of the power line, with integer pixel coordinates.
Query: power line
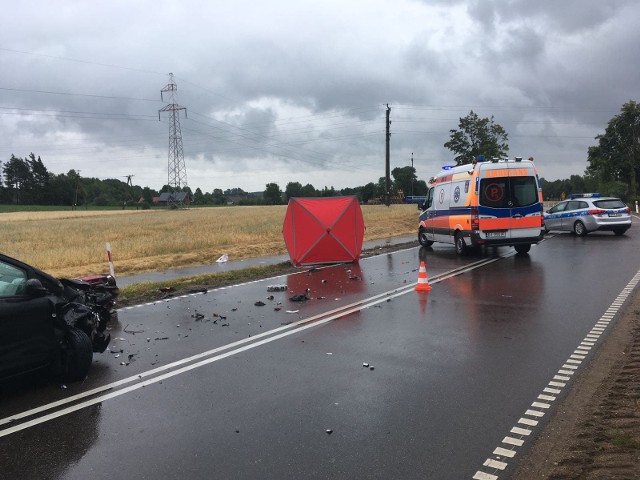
(75, 60)
(71, 94)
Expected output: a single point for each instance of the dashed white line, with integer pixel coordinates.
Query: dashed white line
(559, 380)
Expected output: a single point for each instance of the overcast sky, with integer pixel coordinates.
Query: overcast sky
(296, 90)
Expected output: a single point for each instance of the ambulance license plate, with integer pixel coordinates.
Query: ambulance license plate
(496, 234)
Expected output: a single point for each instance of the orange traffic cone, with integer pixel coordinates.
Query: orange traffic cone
(423, 283)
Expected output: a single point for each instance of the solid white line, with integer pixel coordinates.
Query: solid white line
(301, 325)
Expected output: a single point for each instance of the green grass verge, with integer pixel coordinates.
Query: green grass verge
(152, 291)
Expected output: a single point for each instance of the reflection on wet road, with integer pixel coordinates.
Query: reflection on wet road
(241, 382)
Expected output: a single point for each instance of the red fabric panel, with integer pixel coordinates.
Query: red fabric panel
(323, 230)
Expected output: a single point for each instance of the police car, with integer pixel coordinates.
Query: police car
(589, 212)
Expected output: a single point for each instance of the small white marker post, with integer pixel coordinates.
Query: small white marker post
(109, 260)
(636, 206)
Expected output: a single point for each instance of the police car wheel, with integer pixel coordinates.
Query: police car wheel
(461, 247)
(579, 229)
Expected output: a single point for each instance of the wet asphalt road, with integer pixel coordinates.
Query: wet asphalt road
(213, 386)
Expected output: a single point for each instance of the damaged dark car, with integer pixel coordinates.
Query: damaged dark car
(52, 324)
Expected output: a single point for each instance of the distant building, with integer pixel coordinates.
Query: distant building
(169, 198)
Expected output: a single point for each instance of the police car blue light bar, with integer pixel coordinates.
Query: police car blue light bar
(584, 195)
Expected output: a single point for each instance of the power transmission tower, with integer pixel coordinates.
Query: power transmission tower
(177, 172)
(128, 194)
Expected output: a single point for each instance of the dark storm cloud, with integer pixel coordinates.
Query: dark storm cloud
(297, 91)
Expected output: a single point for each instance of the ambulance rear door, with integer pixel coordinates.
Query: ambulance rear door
(509, 206)
(524, 201)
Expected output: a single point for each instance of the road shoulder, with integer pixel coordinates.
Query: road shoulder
(595, 430)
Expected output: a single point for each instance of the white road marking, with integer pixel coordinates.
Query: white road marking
(210, 356)
(571, 364)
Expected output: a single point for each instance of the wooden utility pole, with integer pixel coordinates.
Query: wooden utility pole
(412, 174)
(387, 198)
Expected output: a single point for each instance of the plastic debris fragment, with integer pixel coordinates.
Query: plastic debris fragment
(259, 303)
(300, 297)
(276, 288)
(223, 259)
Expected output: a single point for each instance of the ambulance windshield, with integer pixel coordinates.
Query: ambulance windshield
(508, 192)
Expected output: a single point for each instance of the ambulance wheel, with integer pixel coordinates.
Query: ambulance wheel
(522, 249)
(422, 238)
(461, 247)
(579, 229)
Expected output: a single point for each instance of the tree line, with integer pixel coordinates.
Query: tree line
(26, 181)
(613, 169)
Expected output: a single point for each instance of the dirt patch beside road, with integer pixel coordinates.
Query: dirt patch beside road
(595, 431)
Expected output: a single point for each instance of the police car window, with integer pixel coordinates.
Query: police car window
(573, 205)
(612, 203)
(583, 205)
(560, 207)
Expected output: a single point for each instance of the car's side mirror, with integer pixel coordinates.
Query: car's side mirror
(34, 288)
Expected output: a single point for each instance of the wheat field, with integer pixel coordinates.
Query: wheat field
(71, 243)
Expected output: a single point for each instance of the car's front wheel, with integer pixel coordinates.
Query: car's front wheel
(77, 355)
(579, 229)
(422, 238)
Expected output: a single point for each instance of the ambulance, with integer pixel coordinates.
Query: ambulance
(486, 203)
